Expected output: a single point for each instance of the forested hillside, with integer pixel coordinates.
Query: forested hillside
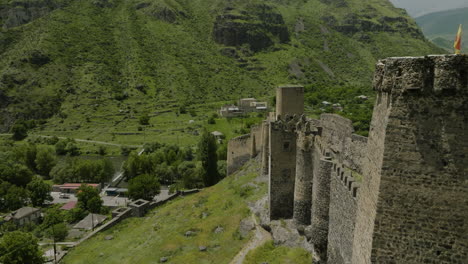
(97, 65)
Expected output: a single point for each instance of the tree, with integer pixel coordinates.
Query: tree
(106, 170)
(52, 217)
(87, 196)
(58, 232)
(15, 173)
(95, 205)
(102, 150)
(209, 159)
(61, 172)
(29, 155)
(72, 149)
(143, 187)
(60, 147)
(222, 152)
(211, 120)
(144, 119)
(13, 197)
(39, 191)
(19, 131)
(19, 247)
(45, 161)
(190, 175)
(75, 214)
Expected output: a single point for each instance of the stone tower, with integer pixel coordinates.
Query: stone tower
(289, 100)
(413, 205)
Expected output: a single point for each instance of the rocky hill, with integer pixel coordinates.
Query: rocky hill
(102, 62)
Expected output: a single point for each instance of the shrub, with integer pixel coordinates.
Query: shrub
(144, 120)
(19, 131)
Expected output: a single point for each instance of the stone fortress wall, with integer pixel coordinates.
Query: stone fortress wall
(242, 148)
(399, 196)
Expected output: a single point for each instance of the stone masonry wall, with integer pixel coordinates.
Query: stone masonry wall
(322, 167)
(335, 130)
(414, 202)
(256, 132)
(282, 171)
(344, 191)
(239, 152)
(354, 152)
(304, 176)
(265, 147)
(289, 100)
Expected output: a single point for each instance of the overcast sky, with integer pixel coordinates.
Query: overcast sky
(422, 7)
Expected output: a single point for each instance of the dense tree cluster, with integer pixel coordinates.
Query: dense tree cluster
(160, 161)
(19, 184)
(67, 147)
(23, 169)
(83, 170)
(19, 247)
(170, 164)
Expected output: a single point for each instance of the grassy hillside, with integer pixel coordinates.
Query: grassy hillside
(90, 69)
(441, 27)
(161, 233)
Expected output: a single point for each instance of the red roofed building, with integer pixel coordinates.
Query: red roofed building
(72, 187)
(68, 206)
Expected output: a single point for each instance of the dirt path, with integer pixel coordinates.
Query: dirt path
(93, 141)
(84, 140)
(261, 236)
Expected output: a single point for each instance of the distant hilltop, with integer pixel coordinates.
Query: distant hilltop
(441, 27)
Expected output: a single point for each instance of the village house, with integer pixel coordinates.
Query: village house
(244, 105)
(24, 216)
(230, 111)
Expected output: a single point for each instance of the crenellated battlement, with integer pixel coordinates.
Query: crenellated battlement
(429, 74)
(345, 176)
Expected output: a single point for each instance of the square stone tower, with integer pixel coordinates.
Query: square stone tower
(289, 100)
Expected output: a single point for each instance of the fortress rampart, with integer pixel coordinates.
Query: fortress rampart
(414, 203)
(399, 196)
(239, 152)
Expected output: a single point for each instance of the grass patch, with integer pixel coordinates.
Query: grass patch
(161, 233)
(271, 254)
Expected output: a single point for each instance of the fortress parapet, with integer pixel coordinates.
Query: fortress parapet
(425, 74)
(413, 199)
(398, 196)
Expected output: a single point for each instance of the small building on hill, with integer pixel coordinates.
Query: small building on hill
(24, 216)
(245, 105)
(218, 136)
(90, 221)
(72, 187)
(117, 192)
(230, 111)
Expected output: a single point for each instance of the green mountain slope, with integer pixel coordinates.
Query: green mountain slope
(94, 66)
(441, 27)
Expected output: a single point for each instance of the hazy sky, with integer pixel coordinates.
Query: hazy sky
(422, 7)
